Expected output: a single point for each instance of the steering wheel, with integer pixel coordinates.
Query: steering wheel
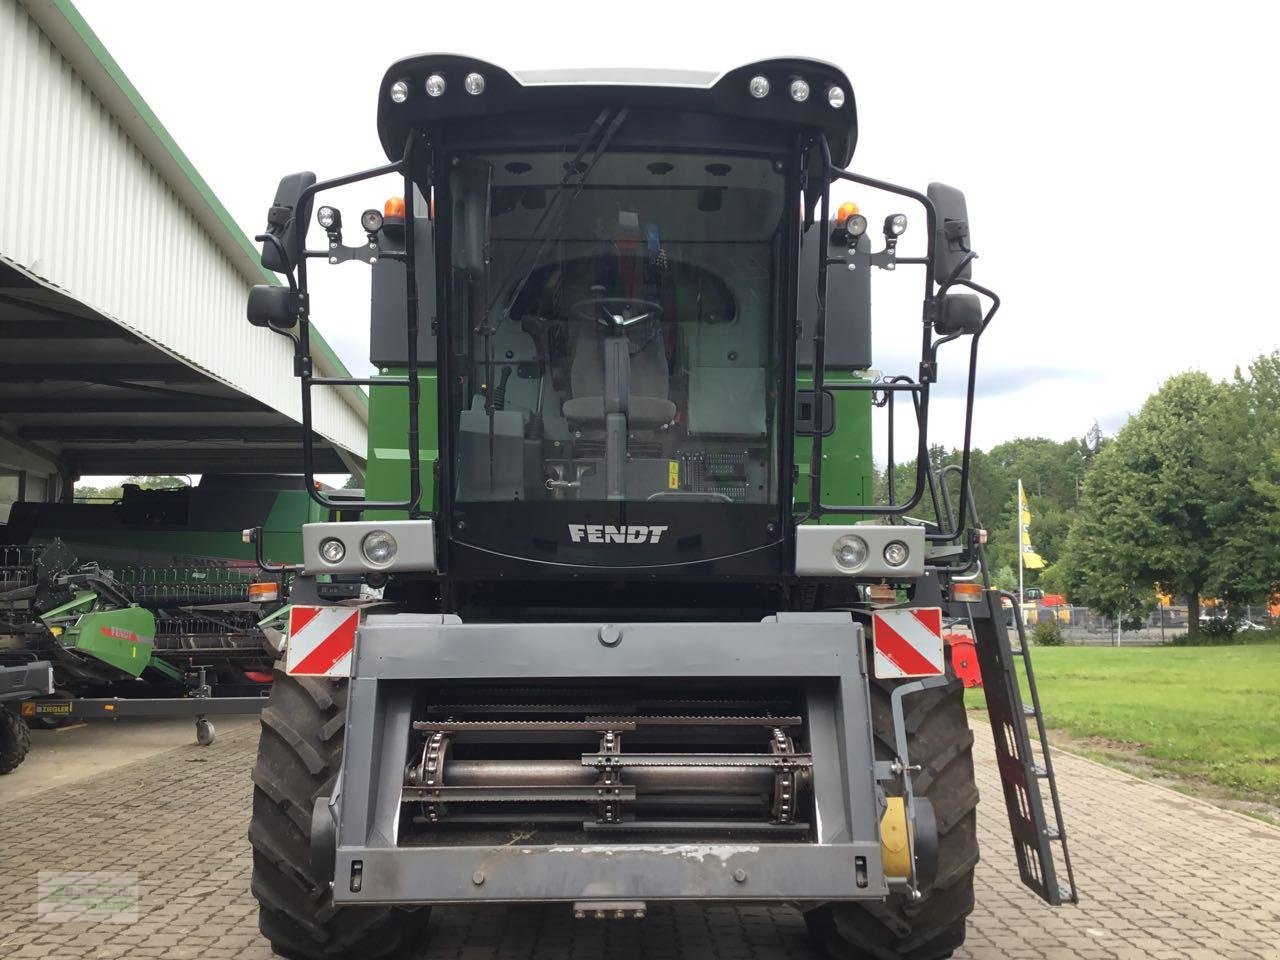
(616, 314)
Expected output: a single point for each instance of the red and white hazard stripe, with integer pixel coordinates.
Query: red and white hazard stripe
(321, 641)
(908, 642)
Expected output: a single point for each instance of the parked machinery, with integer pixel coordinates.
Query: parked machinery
(643, 633)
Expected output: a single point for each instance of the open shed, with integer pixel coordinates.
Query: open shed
(124, 347)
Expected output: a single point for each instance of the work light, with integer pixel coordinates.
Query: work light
(856, 225)
(799, 90)
(759, 87)
(329, 218)
(895, 225)
(835, 97)
(474, 84)
(399, 92)
(371, 220)
(435, 85)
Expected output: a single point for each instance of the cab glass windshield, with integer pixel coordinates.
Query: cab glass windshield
(614, 325)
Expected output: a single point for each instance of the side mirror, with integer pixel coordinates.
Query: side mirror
(271, 306)
(960, 313)
(284, 219)
(952, 241)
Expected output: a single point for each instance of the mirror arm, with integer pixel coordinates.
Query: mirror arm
(955, 531)
(953, 276)
(989, 294)
(275, 242)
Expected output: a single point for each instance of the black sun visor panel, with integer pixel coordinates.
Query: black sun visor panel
(424, 92)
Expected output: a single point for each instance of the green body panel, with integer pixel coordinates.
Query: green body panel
(120, 638)
(848, 473)
(169, 545)
(387, 477)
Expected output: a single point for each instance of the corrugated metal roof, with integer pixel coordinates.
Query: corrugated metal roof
(139, 237)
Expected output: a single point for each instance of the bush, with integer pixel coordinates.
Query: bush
(1220, 629)
(1213, 634)
(1047, 633)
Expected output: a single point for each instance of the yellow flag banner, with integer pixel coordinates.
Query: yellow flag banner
(1030, 559)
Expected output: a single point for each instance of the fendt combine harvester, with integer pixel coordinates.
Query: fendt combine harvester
(644, 635)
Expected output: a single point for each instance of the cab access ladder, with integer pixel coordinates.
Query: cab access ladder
(1040, 846)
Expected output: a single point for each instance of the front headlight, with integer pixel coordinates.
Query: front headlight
(896, 553)
(379, 547)
(332, 550)
(850, 552)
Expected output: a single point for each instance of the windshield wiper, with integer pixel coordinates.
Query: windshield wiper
(561, 210)
(572, 168)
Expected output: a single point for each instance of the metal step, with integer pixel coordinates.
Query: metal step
(1035, 836)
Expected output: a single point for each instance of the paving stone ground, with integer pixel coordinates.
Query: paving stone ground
(1161, 876)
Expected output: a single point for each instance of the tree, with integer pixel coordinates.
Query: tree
(1005, 579)
(1145, 514)
(1244, 451)
(1051, 471)
(114, 492)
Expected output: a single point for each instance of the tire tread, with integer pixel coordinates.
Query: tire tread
(299, 753)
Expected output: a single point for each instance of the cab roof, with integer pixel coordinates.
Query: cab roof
(727, 94)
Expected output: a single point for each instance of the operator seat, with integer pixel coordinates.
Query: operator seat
(647, 403)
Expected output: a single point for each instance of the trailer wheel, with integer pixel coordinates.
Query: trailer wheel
(15, 741)
(48, 722)
(938, 738)
(299, 752)
(205, 731)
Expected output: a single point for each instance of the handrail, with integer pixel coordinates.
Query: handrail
(302, 357)
(919, 389)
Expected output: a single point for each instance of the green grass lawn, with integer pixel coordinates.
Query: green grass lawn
(1203, 713)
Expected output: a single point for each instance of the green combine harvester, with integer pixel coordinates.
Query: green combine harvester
(636, 628)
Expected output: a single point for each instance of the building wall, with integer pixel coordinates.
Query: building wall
(83, 209)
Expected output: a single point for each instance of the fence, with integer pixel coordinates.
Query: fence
(1081, 625)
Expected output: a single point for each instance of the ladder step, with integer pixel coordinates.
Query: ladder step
(1052, 833)
(1028, 710)
(1040, 770)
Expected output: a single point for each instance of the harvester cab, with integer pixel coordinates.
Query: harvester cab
(644, 631)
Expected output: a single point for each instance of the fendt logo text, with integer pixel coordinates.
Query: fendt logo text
(607, 533)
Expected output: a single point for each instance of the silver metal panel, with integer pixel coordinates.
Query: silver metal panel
(815, 556)
(608, 871)
(416, 540)
(617, 76)
(823, 652)
(97, 201)
(415, 646)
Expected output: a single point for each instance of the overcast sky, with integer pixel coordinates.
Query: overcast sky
(1119, 159)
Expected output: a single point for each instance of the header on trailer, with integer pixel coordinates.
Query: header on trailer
(428, 91)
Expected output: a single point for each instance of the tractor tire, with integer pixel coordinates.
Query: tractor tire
(15, 741)
(939, 740)
(299, 752)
